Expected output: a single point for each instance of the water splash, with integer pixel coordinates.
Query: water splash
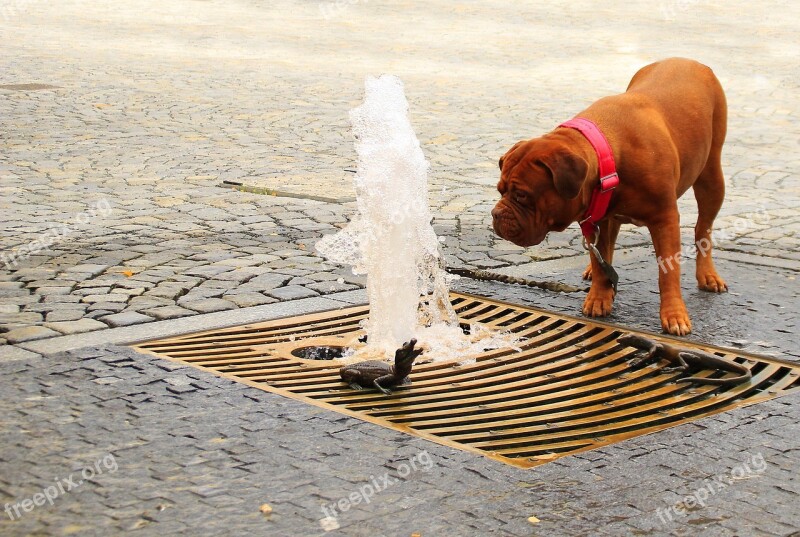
(391, 239)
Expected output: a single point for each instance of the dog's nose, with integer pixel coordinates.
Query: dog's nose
(495, 213)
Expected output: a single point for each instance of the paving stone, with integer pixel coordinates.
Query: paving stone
(65, 314)
(269, 281)
(168, 290)
(107, 306)
(208, 305)
(263, 258)
(291, 292)
(105, 298)
(168, 312)
(133, 286)
(126, 319)
(47, 291)
(41, 307)
(63, 299)
(247, 300)
(12, 292)
(201, 293)
(26, 317)
(489, 263)
(207, 271)
(106, 380)
(470, 257)
(136, 291)
(238, 276)
(97, 314)
(237, 262)
(300, 280)
(143, 302)
(91, 291)
(29, 333)
(76, 327)
(60, 282)
(105, 283)
(332, 287)
(218, 284)
(32, 274)
(90, 269)
(9, 353)
(511, 258)
(282, 264)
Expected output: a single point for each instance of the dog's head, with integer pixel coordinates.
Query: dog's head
(540, 183)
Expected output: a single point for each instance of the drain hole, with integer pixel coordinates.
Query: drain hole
(319, 352)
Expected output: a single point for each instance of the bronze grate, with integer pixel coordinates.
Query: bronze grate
(569, 390)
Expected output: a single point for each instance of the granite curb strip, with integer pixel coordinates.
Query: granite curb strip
(197, 323)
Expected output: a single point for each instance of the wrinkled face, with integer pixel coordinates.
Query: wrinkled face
(539, 181)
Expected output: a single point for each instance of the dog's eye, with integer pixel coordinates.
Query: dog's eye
(520, 197)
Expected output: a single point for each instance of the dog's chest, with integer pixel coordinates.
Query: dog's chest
(628, 220)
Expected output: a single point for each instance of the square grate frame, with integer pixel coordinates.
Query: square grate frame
(569, 390)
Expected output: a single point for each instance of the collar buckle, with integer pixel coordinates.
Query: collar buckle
(609, 182)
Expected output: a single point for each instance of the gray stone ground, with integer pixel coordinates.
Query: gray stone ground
(196, 454)
(126, 169)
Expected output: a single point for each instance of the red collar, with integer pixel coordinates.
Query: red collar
(601, 197)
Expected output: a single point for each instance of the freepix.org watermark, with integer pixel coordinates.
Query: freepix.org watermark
(703, 246)
(329, 10)
(55, 234)
(672, 8)
(420, 462)
(10, 9)
(48, 495)
(754, 466)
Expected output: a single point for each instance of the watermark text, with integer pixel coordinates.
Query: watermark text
(49, 494)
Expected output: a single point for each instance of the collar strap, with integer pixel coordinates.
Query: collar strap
(601, 196)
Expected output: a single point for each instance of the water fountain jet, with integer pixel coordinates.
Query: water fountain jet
(391, 239)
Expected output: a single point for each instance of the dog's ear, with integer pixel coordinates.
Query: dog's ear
(568, 171)
(513, 147)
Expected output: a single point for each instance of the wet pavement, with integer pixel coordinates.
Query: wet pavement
(184, 451)
(173, 169)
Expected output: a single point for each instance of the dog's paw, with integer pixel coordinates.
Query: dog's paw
(676, 321)
(598, 303)
(587, 274)
(711, 282)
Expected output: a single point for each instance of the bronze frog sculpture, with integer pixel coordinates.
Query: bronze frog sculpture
(380, 374)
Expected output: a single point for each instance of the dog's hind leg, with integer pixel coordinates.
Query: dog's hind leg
(709, 191)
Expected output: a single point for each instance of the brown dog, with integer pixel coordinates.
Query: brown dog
(666, 132)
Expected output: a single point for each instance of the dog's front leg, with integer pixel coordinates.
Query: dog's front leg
(609, 229)
(667, 241)
(600, 299)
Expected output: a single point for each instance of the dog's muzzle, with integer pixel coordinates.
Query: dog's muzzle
(508, 226)
(505, 224)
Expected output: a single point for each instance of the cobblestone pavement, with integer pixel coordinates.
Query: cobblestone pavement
(128, 175)
(118, 169)
(174, 450)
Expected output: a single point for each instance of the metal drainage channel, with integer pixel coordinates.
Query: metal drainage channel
(569, 390)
